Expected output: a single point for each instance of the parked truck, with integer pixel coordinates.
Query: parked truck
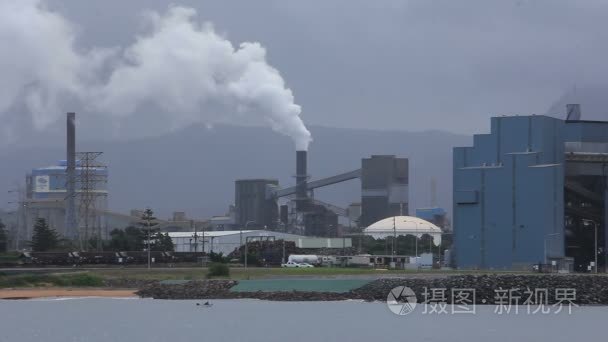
(304, 258)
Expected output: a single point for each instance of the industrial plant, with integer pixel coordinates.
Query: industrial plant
(72, 196)
(533, 191)
(384, 193)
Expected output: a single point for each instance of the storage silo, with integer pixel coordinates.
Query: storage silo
(384, 188)
(255, 207)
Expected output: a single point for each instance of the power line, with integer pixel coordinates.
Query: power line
(89, 179)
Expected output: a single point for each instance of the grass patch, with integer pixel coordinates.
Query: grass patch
(9, 258)
(154, 274)
(217, 269)
(96, 277)
(258, 272)
(39, 280)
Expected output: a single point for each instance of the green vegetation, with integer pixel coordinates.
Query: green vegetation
(3, 238)
(217, 269)
(405, 245)
(38, 280)
(44, 238)
(135, 238)
(9, 259)
(218, 257)
(162, 243)
(258, 273)
(96, 277)
(129, 239)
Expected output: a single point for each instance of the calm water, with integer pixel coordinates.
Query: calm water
(102, 319)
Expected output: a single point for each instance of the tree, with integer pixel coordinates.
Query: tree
(3, 238)
(118, 241)
(162, 242)
(147, 224)
(136, 238)
(44, 238)
(128, 239)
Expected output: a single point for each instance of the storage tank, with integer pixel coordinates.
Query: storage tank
(51, 182)
(47, 189)
(300, 258)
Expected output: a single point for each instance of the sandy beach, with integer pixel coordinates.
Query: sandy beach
(63, 292)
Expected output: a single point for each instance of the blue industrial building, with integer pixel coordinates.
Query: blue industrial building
(46, 191)
(532, 191)
(51, 182)
(435, 215)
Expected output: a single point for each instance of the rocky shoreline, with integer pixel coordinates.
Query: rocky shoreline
(588, 289)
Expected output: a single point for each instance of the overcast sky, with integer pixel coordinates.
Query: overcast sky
(385, 64)
(411, 65)
(399, 64)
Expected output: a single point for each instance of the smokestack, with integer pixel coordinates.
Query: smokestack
(301, 181)
(573, 112)
(71, 229)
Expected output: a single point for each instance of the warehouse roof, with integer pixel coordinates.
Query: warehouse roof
(209, 233)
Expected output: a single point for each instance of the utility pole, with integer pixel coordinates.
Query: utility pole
(193, 226)
(595, 224)
(350, 232)
(596, 265)
(20, 214)
(394, 237)
(241, 232)
(416, 241)
(283, 250)
(149, 256)
(246, 251)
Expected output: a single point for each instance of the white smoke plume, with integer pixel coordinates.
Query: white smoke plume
(182, 67)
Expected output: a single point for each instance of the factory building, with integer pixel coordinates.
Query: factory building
(532, 191)
(45, 194)
(438, 216)
(226, 242)
(354, 213)
(384, 193)
(320, 221)
(255, 207)
(384, 188)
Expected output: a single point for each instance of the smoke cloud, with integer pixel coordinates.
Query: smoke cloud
(178, 65)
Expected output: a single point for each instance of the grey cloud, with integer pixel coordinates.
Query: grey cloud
(414, 65)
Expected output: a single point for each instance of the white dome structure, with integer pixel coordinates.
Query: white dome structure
(403, 225)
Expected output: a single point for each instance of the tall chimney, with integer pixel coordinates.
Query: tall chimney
(71, 229)
(301, 181)
(573, 112)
